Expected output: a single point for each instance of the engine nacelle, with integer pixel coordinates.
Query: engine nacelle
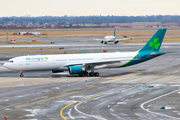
(76, 69)
(116, 42)
(57, 71)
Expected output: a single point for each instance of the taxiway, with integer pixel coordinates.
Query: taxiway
(148, 90)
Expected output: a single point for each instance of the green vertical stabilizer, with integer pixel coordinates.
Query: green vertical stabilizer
(155, 42)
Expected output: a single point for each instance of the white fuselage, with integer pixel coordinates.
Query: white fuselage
(61, 62)
(109, 38)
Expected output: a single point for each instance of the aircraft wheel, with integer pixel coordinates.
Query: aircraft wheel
(105, 42)
(82, 74)
(101, 41)
(91, 74)
(86, 74)
(21, 75)
(96, 74)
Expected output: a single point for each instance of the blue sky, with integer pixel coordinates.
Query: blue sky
(88, 7)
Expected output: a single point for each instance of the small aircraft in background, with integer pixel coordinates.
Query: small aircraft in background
(112, 38)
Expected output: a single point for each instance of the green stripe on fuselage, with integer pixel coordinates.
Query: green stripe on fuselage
(143, 56)
(128, 63)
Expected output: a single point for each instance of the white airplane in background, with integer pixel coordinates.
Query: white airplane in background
(112, 38)
(82, 63)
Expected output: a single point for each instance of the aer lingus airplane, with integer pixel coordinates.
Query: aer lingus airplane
(82, 63)
(111, 38)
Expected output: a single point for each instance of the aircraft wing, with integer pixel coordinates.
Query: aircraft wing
(97, 63)
(99, 39)
(123, 39)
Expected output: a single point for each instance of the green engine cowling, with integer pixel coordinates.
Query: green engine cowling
(76, 69)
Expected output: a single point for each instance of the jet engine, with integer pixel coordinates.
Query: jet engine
(76, 69)
(116, 42)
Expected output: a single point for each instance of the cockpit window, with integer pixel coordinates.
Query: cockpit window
(10, 61)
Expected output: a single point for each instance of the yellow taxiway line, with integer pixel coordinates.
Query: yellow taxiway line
(61, 112)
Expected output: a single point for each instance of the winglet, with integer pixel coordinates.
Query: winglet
(155, 42)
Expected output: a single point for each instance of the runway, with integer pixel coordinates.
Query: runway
(147, 91)
(74, 45)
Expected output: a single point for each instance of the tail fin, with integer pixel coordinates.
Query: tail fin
(155, 42)
(114, 32)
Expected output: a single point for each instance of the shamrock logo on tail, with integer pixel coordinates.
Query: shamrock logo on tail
(46, 58)
(154, 44)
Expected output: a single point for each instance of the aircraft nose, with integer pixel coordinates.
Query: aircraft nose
(5, 65)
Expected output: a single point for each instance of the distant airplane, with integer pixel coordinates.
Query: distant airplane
(111, 38)
(80, 64)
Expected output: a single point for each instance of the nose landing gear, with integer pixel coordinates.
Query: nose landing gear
(21, 74)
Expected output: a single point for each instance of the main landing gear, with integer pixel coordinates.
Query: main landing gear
(91, 74)
(21, 74)
(83, 74)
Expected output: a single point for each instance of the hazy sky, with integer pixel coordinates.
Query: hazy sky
(88, 7)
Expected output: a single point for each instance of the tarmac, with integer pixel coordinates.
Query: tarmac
(145, 91)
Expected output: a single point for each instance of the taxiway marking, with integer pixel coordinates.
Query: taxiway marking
(134, 71)
(117, 77)
(61, 112)
(103, 75)
(69, 113)
(142, 105)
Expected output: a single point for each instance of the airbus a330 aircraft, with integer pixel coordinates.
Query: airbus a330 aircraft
(111, 38)
(82, 63)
